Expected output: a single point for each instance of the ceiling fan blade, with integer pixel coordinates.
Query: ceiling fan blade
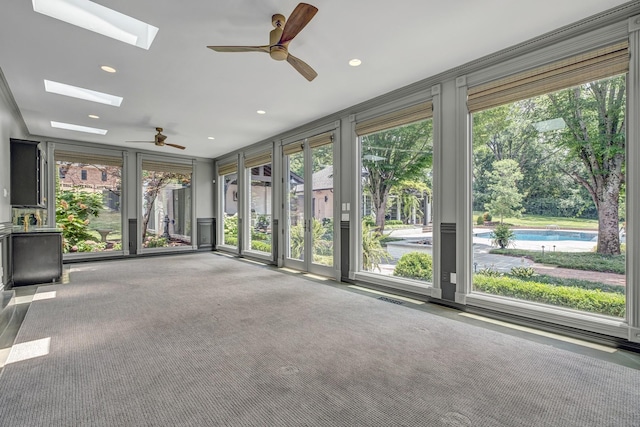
(240, 48)
(302, 67)
(298, 19)
(180, 147)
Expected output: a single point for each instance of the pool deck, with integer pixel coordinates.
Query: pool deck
(483, 259)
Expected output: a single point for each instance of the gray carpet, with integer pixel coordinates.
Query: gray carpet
(206, 340)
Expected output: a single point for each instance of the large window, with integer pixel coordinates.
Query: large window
(395, 188)
(549, 189)
(88, 201)
(258, 173)
(166, 204)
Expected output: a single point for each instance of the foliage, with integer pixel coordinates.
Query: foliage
(231, 240)
(261, 246)
(372, 251)
(369, 221)
(594, 301)
(589, 261)
(409, 194)
(263, 223)
(415, 265)
(522, 272)
(393, 222)
(74, 208)
(490, 271)
(230, 227)
(257, 235)
(479, 220)
(504, 197)
(502, 236)
(88, 246)
(152, 184)
(320, 246)
(487, 217)
(394, 155)
(155, 242)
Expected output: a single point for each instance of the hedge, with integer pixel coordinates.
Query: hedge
(591, 300)
(415, 265)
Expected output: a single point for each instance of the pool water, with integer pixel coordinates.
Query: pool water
(548, 235)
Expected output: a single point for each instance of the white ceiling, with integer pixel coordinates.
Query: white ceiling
(194, 92)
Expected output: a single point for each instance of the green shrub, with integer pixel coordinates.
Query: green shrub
(487, 217)
(502, 236)
(369, 221)
(393, 222)
(155, 242)
(415, 265)
(231, 240)
(522, 272)
(591, 300)
(257, 245)
(490, 271)
(372, 251)
(480, 220)
(73, 211)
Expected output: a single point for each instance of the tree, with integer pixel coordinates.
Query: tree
(594, 114)
(390, 156)
(505, 199)
(152, 183)
(410, 194)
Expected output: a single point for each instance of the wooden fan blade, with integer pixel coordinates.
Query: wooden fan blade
(180, 147)
(298, 19)
(240, 48)
(302, 67)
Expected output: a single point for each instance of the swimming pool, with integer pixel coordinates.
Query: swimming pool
(548, 235)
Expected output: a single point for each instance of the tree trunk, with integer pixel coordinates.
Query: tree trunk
(608, 219)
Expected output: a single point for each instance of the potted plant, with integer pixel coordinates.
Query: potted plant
(502, 236)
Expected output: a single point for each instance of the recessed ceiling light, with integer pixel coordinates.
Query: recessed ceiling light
(210, 137)
(108, 69)
(78, 128)
(93, 116)
(355, 62)
(81, 93)
(261, 112)
(102, 20)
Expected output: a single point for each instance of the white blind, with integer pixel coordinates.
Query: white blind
(159, 166)
(257, 160)
(227, 169)
(594, 65)
(314, 142)
(408, 115)
(86, 158)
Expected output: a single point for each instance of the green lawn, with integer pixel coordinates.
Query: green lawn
(589, 261)
(540, 221)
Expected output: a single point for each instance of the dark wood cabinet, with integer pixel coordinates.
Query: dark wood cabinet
(36, 257)
(27, 174)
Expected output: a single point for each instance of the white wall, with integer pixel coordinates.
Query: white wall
(10, 127)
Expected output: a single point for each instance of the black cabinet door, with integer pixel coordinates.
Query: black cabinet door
(36, 258)
(26, 175)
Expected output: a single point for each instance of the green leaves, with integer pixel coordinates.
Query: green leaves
(591, 300)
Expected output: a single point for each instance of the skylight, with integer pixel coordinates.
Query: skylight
(78, 128)
(102, 20)
(81, 93)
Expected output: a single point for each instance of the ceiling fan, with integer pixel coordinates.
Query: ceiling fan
(159, 141)
(280, 37)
